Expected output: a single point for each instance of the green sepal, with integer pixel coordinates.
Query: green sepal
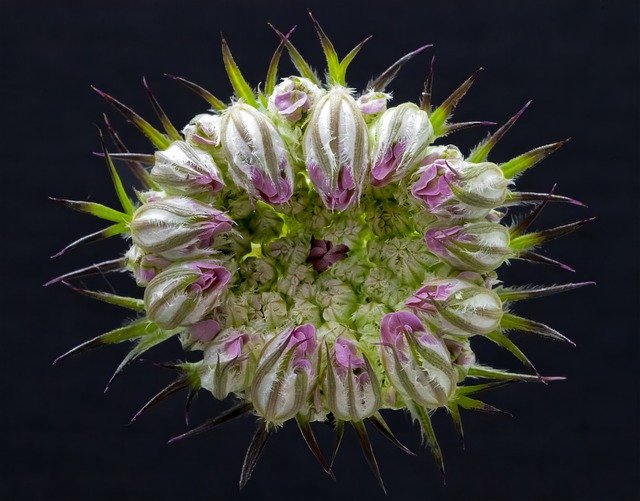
(477, 388)
(514, 322)
(503, 341)
(109, 231)
(385, 78)
(481, 152)
(95, 209)
(509, 294)
(346, 61)
(272, 71)
(296, 58)
(367, 450)
(310, 439)
(421, 415)
(240, 86)
(478, 371)
(159, 140)
(521, 163)
(442, 113)
(169, 128)
(125, 202)
(130, 303)
(454, 411)
(333, 62)
(472, 404)
(215, 103)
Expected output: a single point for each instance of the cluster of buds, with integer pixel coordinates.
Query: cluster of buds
(325, 256)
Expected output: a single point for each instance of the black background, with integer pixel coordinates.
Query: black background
(64, 439)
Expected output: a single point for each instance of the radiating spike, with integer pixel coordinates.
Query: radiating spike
(385, 78)
(428, 433)
(143, 158)
(346, 61)
(521, 163)
(138, 170)
(272, 72)
(169, 128)
(503, 341)
(521, 227)
(173, 387)
(131, 303)
(95, 209)
(516, 197)
(110, 231)
(479, 371)
(443, 112)
(476, 405)
(158, 139)
(333, 63)
(425, 97)
(215, 103)
(238, 82)
(521, 294)
(367, 450)
(144, 343)
(480, 152)
(307, 433)
(296, 58)
(338, 426)
(457, 127)
(193, 393)
(254, 452)
(382, 425)
(513, 322)
(239, 410)
(534, 257)
(530, 240)
(477, 388)
(95, 269)
(121, 193)
(454, 411)
(133, 330)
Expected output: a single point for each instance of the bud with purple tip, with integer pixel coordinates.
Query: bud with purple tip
(324, 254)
(226, 361)
(459, 189)
(203, 130)
(285, 374)
(144, 266)
(293, 97)
(352, 388)
(182, 169)
(459, 306)
(416, 361)
(481, 246)
(401, 137)
(372, 102)
(185, 293)
(336, 149)
(176, 227)
(256, 154)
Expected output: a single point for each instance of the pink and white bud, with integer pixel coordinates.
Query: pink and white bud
(177, 227)
(480, 247)
(416, 361)
(286, 374)
(351, 387)
(451, 189)
(293, 97)
(336, 149)
(401, 137)
(185, 293)
(226, 361)
(373, 102)
(203, 130)
(144, 266)
(182, 169)
(256, 154)
(458, 306)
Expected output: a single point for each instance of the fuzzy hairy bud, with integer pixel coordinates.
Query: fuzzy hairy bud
(293, 97)
(226, 362)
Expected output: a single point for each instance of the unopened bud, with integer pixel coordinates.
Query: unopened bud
(225, 362)
(293, 97)
(203, 130)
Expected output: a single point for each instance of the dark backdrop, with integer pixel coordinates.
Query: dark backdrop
(64, 439)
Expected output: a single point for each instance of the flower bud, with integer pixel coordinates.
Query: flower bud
(175, 227)
(458, 189)
(462, 356)
(285, 374)
(480, 247)
(292, 97)
(203, 130)
(417, 362)
(458, 306)
(324, 254)
(401, 137)
(352, 388)
(144, 266)
(226, 361)
(336, 149)
(372, 102)
(184, 170)
(257, 156)
(185, 293)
